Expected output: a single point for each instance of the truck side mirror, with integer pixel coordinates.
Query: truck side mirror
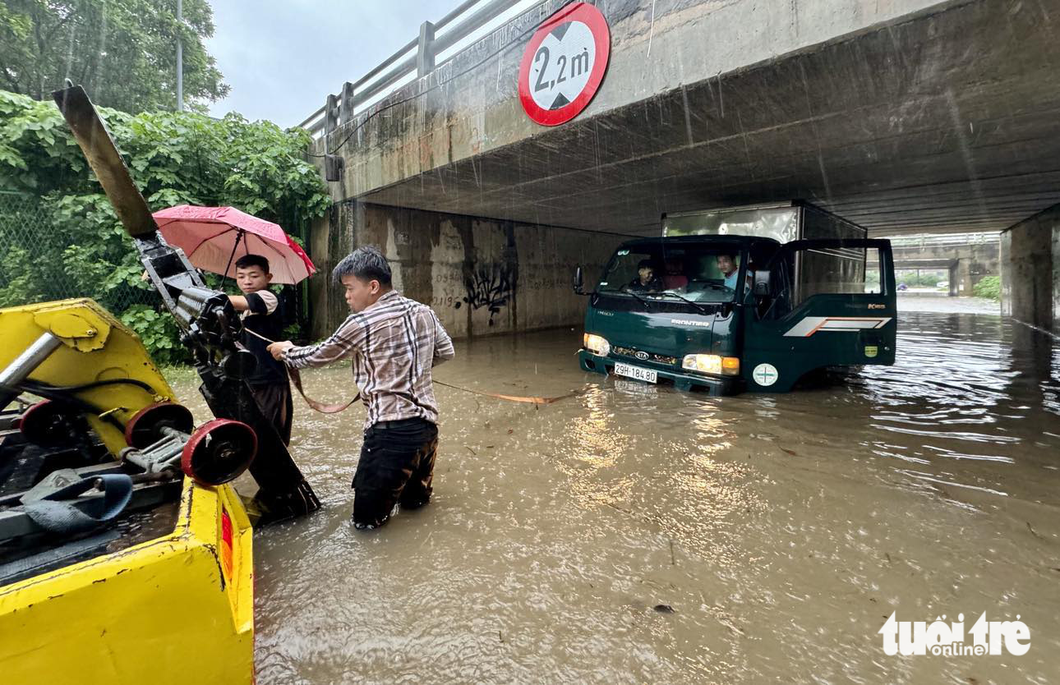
(761, 283)
(578, 281)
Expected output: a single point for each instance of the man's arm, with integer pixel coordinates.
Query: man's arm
(443, 344)
(342, 343)
(262, 302)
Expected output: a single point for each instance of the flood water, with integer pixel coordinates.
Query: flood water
(782, 530)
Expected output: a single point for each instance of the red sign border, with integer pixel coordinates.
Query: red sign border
(594, 19)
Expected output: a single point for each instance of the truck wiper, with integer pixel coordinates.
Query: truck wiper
(699, 308)
(625, 289)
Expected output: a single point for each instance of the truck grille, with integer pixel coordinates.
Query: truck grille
(643, 356)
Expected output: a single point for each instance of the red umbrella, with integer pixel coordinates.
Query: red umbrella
(213, 238)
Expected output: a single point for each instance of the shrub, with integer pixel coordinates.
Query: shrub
(989, 287)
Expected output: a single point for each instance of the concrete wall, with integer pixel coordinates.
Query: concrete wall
(1030, 270)
(1056, 277)
(481, 276)
(470, 105)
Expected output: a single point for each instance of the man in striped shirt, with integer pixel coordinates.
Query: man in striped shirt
(393, 342)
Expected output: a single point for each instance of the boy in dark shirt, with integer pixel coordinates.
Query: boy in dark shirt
(261, 314)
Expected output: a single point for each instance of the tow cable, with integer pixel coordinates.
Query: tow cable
(323, 408)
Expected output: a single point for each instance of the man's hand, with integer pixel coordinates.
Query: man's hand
(277, 349)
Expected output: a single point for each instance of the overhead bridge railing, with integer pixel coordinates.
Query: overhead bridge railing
(946, 240)
(415, 60)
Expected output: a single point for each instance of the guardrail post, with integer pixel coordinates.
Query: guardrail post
(425, 51)
(331, 115)
(346, 103)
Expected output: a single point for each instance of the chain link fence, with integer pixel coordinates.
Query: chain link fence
(36, 264)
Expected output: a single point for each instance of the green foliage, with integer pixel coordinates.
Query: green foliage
(157, 331)
(122, 51)
(62, 238)
(989, 287)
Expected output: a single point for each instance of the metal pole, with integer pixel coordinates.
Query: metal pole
(425, 51)
(24, 364)
(180, 58)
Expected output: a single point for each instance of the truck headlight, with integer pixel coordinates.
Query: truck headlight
(596, 344)
(712, 363)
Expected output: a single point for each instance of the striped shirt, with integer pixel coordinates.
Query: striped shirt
(394, 344)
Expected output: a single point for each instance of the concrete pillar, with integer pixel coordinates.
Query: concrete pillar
(964, 277)
(1030, 269)
(346, 103)
(331, 114)
(481, 276)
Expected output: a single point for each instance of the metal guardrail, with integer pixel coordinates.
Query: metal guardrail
(945, 240)
(416, 57)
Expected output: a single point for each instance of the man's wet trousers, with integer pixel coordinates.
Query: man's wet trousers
(396, 466)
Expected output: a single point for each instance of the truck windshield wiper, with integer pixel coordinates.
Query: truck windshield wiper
(625, 289)
(699, 308)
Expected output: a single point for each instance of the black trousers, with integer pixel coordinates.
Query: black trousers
(274, 401)
(396, 466)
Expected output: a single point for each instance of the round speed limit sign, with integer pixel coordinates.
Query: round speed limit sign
(564, 64)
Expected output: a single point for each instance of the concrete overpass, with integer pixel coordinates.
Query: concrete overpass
(904, 116)
(967, 257)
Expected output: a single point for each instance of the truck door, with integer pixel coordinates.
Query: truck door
(816, 304)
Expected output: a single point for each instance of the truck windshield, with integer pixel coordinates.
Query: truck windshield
(696, 273)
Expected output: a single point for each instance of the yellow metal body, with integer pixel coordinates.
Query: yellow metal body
(175, 609)
(96, 346)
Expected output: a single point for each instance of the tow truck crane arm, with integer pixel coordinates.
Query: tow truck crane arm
(210, 327)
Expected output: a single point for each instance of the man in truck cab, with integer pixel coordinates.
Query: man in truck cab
(729, 268)
(647, 279)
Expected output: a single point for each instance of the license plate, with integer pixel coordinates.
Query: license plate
(637, 373)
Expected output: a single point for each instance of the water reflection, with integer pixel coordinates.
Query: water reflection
(781, 530)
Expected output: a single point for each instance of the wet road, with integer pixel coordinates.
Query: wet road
(781, 530)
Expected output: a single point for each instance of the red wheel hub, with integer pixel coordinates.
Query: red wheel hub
(219, 451)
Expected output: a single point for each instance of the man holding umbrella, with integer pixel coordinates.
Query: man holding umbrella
(394, 343)
(216, 239)
(263, 323)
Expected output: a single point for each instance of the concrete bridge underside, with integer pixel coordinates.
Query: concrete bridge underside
(906, 116)
(945, 118)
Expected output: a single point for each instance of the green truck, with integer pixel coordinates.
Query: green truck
(744, 299)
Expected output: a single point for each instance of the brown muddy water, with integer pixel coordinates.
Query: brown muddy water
(642, 535)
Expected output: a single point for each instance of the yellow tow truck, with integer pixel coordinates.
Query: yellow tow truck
(125, 554)
(167, 598)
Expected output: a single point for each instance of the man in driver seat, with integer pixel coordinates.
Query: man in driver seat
(647, 279)
(730, 270)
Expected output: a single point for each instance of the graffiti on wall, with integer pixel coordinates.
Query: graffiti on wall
(491, 286)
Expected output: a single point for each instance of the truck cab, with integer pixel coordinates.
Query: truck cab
(728, 313)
